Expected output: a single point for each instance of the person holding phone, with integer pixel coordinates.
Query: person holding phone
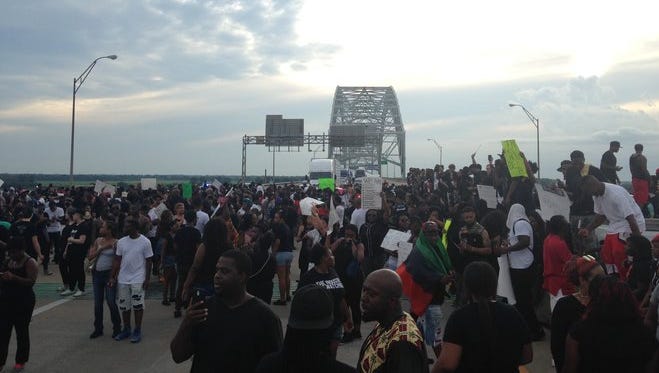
(230, 331)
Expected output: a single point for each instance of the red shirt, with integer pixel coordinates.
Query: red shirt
(554, 256)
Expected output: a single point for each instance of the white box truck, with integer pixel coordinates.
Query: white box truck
(321, 168)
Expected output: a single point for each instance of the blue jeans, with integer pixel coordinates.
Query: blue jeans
(102, 290)
(430, 325)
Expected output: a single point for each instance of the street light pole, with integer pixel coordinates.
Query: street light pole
(77, 82)
(438, 147)
(536, 123)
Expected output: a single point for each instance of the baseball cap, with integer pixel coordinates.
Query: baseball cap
(311, 309)
(564, 164)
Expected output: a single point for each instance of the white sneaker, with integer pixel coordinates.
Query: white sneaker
(66, 292)
(61, 288)
(78, 293)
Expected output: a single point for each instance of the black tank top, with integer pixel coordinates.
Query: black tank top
(12, 291)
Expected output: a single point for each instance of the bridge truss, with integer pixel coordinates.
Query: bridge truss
(376, 109)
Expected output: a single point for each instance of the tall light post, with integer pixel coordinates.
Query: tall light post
(438, 147)
(536, 124)
(77, 82)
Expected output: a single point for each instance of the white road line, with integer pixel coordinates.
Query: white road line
(50, 306)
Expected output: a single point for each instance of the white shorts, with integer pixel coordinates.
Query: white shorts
(130, 296)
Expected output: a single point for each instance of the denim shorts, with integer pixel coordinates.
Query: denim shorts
(284, 258)
(430, 325)
(130, 296)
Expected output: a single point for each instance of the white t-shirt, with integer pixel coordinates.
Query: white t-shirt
(616, 204)
(358, 217)
(202, 219)
(54, 226)
(521, 259)
(133, 253)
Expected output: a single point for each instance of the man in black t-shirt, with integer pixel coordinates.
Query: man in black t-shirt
(24, 228)
(186, 242)
(608, 164)
(582, 208)
(231, 331)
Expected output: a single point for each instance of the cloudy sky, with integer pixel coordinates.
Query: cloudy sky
(193, 77)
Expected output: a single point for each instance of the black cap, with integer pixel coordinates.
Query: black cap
(564, 165)
(615, 143)
(311, 309)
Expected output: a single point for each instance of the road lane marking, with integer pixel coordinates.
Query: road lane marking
(50, 306)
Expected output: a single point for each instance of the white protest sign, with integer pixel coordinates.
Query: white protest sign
(504, 284)
(393, 238)
(306, 205)
(98, 187)
(333, 217)
(109, 189)
(216, 184)
(404, 250)
(488, 194)
(149, 183)
(371, 189)
(160, 209)
(553, 202)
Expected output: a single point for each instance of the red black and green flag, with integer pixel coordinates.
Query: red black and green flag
(422, 272)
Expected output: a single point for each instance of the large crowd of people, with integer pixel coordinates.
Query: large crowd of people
(218, 252)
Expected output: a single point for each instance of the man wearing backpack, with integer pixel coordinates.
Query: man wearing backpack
(522, 274)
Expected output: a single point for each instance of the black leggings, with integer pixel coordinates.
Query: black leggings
(76, 261)
(16, 314)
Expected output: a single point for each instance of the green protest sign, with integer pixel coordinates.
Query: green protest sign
(325, 183)
(514, 160)
(187, 190)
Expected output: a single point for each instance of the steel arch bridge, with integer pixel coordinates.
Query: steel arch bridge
(377, 110)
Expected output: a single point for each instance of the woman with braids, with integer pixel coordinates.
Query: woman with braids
(484, 335)
(611, 337)
(580, 271)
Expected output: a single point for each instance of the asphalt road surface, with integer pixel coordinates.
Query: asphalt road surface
(60, 328)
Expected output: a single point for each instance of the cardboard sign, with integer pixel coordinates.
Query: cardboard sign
(371, 189)
(326, 183)
(489, 194)
(553, 202)
(393, 238)
(307, 203)
(148, 183)
(514, 161)
(187, 190)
